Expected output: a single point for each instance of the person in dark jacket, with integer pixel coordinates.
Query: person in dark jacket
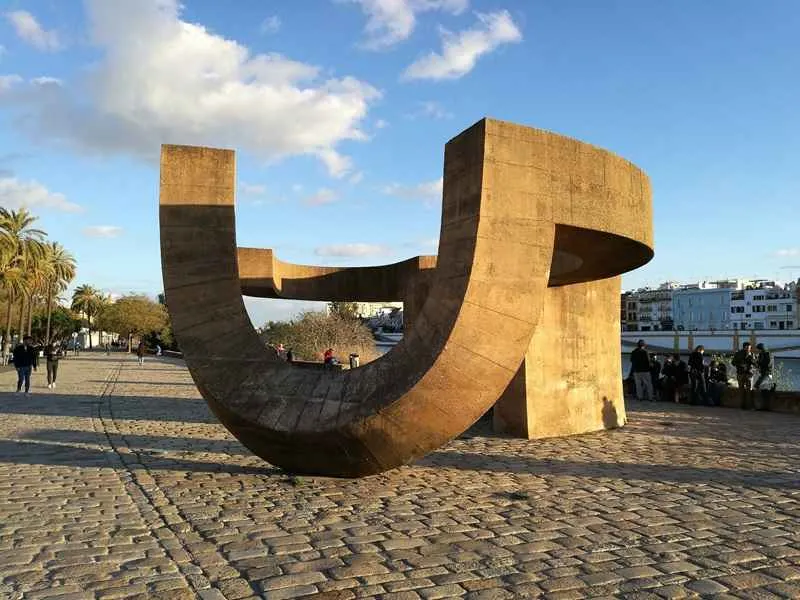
(26, 358)
(655, 375)
(640, 365)
(764, 364)
(140, 350)
(745, 364)
(717, 382)
(52, 352)
(697, 376)
(681, 374)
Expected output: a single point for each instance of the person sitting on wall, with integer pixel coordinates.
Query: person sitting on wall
(640, 363)
(745, 364)
(328, 358)
(697, 376)
(717, 382)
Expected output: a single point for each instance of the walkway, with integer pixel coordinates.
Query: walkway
(121, 484)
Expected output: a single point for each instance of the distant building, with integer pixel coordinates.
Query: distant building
(724, 304)
(702, 308)
(764, 305)
(367, 310)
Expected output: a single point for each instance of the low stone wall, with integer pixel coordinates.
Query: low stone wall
(783, 402)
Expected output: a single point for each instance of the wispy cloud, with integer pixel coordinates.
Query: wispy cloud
(252, 189)
(461, 51)
(428, 191)
(352, 250)
(392, 21)
(102, 231)
(30, 30)
(431, 110)
(271, 24)
(15, 193)
(8, 81)
(788, 252)
(322, 196)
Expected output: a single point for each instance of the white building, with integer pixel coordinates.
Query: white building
(764, 305)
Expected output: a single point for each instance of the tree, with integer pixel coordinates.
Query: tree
(58, 271)
(132, 315)
(345, 310)
(63, 323)
(313, 332)
(22, 245)
(88, 300)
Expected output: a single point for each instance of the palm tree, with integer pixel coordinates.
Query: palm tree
(87, 300)
(58, 270)
(22, 244)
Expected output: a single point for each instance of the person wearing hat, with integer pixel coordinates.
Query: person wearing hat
(640, 365)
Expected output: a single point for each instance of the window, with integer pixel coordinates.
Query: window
(790, 324)
(788, 308)
(758, 297)
(772, 308)
(773, 324)
(758, 309)
(758, 325)
(747, 316)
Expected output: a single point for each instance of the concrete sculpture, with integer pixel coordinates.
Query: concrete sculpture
(522, 305)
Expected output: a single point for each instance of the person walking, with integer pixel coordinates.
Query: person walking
(640, 363)
(52, 353)
(745, 363)
(25, 358)
(140, 353)
(764, 364)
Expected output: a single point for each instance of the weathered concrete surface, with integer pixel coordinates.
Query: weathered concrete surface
(522, 210)
(123, 485)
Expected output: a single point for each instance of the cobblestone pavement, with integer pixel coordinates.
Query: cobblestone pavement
(121, 484)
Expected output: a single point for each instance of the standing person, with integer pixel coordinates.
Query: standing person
(681, 372)
(640, 363)
(289, 355)
(52, 352)
(764, 364)
(25, 358)
(697, 376)
(655, 376)
(140, 353)
(745, 364)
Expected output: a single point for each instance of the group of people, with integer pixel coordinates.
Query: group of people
(25, 357)
(698, 381)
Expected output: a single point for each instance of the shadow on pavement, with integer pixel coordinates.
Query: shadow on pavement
(611, 470)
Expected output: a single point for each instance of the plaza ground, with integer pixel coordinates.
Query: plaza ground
(120, 483)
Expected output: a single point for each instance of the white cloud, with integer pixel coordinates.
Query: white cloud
(46, 81)
(460, 52)
(787, 252)
(15, 194)
(428, 191)
(381, 124)
(161, 79)
(297, 188)
(352, 250)
(8, 81)
(103, 231)
(271, 24)
(322, 196)
(356, 177)
(252, 189)
(28, 29)
(392, 21)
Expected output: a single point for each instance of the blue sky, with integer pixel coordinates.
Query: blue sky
(339, 110)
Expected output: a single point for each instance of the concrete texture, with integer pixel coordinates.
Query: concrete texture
(121, 484)
(523, 210)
